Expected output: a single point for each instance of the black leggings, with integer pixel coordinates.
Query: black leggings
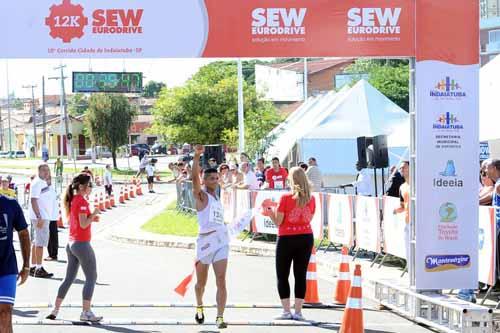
(296, 249)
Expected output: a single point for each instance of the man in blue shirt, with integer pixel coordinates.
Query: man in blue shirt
(11, 218)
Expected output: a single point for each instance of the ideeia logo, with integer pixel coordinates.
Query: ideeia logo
(373, 21)
(447, 88)
(278, 21)
(67, 21)
(448, 178)
(448, 121)
(439, 263)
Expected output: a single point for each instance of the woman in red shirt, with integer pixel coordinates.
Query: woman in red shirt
(79, 250)
(295, 240)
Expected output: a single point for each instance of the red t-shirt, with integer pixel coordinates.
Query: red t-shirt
(79, 206)
(297, 220)
(276, 180)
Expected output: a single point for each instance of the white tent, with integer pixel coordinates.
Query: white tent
(327, 129)
(489, 106)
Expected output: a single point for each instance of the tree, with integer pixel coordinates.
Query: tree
(205, 110)
(390, 77)
(78, 104)
(152, 89)
(108, 120)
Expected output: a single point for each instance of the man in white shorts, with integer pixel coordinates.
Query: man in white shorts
(212, 245)
(39, 213)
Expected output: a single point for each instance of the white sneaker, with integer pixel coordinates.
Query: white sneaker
(284, 316)
(90, 317)
(298, 317)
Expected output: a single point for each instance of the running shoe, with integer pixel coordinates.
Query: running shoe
(284, 316)
(200, 316)
(32, 271)
(298, 317)
(50, 259)
(53, 315)
(221, 324)
(42, 273)
(90, 317)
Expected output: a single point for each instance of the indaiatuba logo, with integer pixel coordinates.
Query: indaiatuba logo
(67, 21)
(447, 88)
(373, 21)
(439, 263)
(278, 21)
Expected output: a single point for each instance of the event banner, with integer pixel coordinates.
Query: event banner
(393, 228)
(447, 145)
(367, 223)
(206, 28)
(487, 245)
(340, 219)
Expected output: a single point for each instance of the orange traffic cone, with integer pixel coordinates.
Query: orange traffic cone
(158, 178)
(312, 281)
(112, 202)
(96, 206)
(344, 280)
(138, 189)
(121, 199)
(125, 193)
(352, 321)
(131, 191)
(60, 223)
(107, 204)
(101, 203)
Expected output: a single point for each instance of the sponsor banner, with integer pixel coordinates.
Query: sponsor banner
(317, 221)
(367, 223)
(393, 229)
(227, 197)
(209, 28)
(340, 219)
(446, 175)
(484, 151)
(487, 246)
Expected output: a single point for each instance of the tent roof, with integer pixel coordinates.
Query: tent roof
(363, 111)
(489, 84)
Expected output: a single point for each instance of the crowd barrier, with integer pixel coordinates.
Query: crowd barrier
(358, 222)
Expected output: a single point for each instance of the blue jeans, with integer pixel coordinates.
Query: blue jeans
(466, 293)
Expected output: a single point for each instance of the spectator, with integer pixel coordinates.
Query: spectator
(363, 183)
(250, 181)
(486, 191)
(404, 195)
(224, 176)
(5, 190)
(150, 171)
(39, 212)
(87, 171)
(260, 171)
(493, 172)
(276, 176)
(58, 167)
(212, 163)
(314, 175)
(236, 176)
(142, 165)
(108, 180)
(303, 166)
(395, 181)
(53, 246)
(244, 158)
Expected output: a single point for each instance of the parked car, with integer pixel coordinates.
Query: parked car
(158, 148)
(101, 152)
(4, 154)
(19, 154)
(136, 148)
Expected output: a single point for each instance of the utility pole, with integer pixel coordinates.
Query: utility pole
(64, 115)
(241, 113)
(33, 115)
(44, 118)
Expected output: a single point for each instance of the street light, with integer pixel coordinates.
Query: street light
(33, 113)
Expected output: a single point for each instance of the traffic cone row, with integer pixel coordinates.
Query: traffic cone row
(344, 280)
(352, 320)
(312, 281)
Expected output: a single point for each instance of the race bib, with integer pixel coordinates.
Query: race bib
(278, 185)
(217, 214)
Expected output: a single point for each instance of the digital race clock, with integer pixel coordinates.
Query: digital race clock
(109, 82)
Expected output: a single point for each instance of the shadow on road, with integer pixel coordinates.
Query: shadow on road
(25, 314)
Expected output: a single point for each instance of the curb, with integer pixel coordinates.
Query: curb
(245, 249)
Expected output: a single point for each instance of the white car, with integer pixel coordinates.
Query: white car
(4, 154)
(19, 154)
(101, 152)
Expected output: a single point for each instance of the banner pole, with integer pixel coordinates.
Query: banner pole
(241, 118)
(413, 192)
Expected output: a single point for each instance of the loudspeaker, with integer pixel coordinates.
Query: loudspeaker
(380, 152)
(213, 151)
(363, 143)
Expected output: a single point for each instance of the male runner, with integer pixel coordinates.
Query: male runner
(212, 245)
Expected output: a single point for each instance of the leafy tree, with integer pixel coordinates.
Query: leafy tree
(78, 104)
(108, 120)
(205, 110)
(390, 77)
(152, 89)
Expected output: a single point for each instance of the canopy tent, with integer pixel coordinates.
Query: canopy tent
(489, 84)
(328, 130)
